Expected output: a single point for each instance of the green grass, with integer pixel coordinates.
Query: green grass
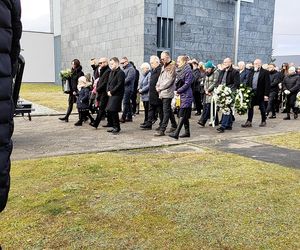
(46, 94)
(207, 200)
(288, 140)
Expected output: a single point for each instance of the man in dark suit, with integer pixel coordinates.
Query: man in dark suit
(259, 81)
(115, 91)
(101, 97)
(10, 30)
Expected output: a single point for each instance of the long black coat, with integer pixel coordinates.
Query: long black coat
(10, 34)
(153, 94)
(291, 83)
(102, 86)
(232, 78)
(116, 86)
(76, 73)
(263, 84)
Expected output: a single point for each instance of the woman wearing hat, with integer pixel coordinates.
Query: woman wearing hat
(211, 79)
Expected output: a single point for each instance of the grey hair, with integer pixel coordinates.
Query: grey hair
(145, 65)
(155, 58)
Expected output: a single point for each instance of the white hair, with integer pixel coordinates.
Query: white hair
(155, 58)
(145, 65)
(241, 63)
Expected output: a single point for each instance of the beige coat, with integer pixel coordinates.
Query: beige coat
(166, 81)
(209, 85)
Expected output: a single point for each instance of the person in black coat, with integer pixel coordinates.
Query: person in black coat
(275, 79)
(76, 73)
(102, 97)
(134, 103)
(155, 104)
(10, 30)
(244, 72)
(197, 86)
(115, 91)
(259, 81)
(230, 78)
(290, 87)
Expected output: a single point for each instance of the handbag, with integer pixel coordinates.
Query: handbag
(66, 86)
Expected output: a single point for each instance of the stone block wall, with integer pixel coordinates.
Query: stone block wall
(97, 28)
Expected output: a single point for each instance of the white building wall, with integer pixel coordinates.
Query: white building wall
(38, 51)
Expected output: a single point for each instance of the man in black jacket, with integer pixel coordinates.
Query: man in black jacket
(10, 30)
(155, 104)
(101, 97)
(274, 90)
(259, 81)
(115, 91)
(230, 78)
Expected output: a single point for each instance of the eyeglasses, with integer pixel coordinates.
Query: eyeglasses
(122, 62)
(101, 63)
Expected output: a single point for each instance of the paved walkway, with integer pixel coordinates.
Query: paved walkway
(47, 136)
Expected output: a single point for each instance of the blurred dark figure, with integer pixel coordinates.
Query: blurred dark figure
(10, 30)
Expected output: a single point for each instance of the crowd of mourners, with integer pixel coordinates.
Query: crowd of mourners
(170, 89)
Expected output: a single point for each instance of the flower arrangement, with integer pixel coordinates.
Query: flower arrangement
(224, 98)
(297, 103)
(242, 99)
(65, 74)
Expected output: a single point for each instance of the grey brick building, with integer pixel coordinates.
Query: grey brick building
(204, 29)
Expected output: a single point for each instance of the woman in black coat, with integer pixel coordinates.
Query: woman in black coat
(76, 73)
(10, 30)
(290, 87)
(115, 92)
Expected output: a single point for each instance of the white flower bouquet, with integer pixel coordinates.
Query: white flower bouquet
(297, 103)
(225, 98)
(65, 74)
(242, 100)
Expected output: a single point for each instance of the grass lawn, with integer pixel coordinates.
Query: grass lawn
(208, 200)
(288, 140)
(46, 94)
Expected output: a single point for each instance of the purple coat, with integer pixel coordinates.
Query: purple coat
(184, 87)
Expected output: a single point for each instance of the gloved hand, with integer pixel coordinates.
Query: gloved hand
(287, 92)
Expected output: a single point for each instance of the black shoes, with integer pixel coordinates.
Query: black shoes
(247, 124)
(221, 130)
(272, 117)
(173, 135)
(65, 119)
(160, 133)
(79, 123)
(262, 124)
(114, 131)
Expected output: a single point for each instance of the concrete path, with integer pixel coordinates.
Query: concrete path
(47, 136)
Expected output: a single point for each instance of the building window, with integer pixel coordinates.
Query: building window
(164, 33)
(165, 25)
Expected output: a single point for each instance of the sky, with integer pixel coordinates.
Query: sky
(286, 41)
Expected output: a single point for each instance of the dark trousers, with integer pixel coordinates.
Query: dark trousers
(71, 101)
(167, 114)
(198, 101)
(227, 121)
(290, 103)
(206, 114)
(261, 104)
(114, 118)
(127, 112)
(154, 110)
(146, 108)
(133, 101)
(101, 110)
(272, 103)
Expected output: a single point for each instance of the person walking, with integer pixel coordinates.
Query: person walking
(115, 91)
(76, 73)
(155, 104)
(101, 87)
(11, 31)
(290, 87)
(259, 81)
(165, 87)
(183, 83)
